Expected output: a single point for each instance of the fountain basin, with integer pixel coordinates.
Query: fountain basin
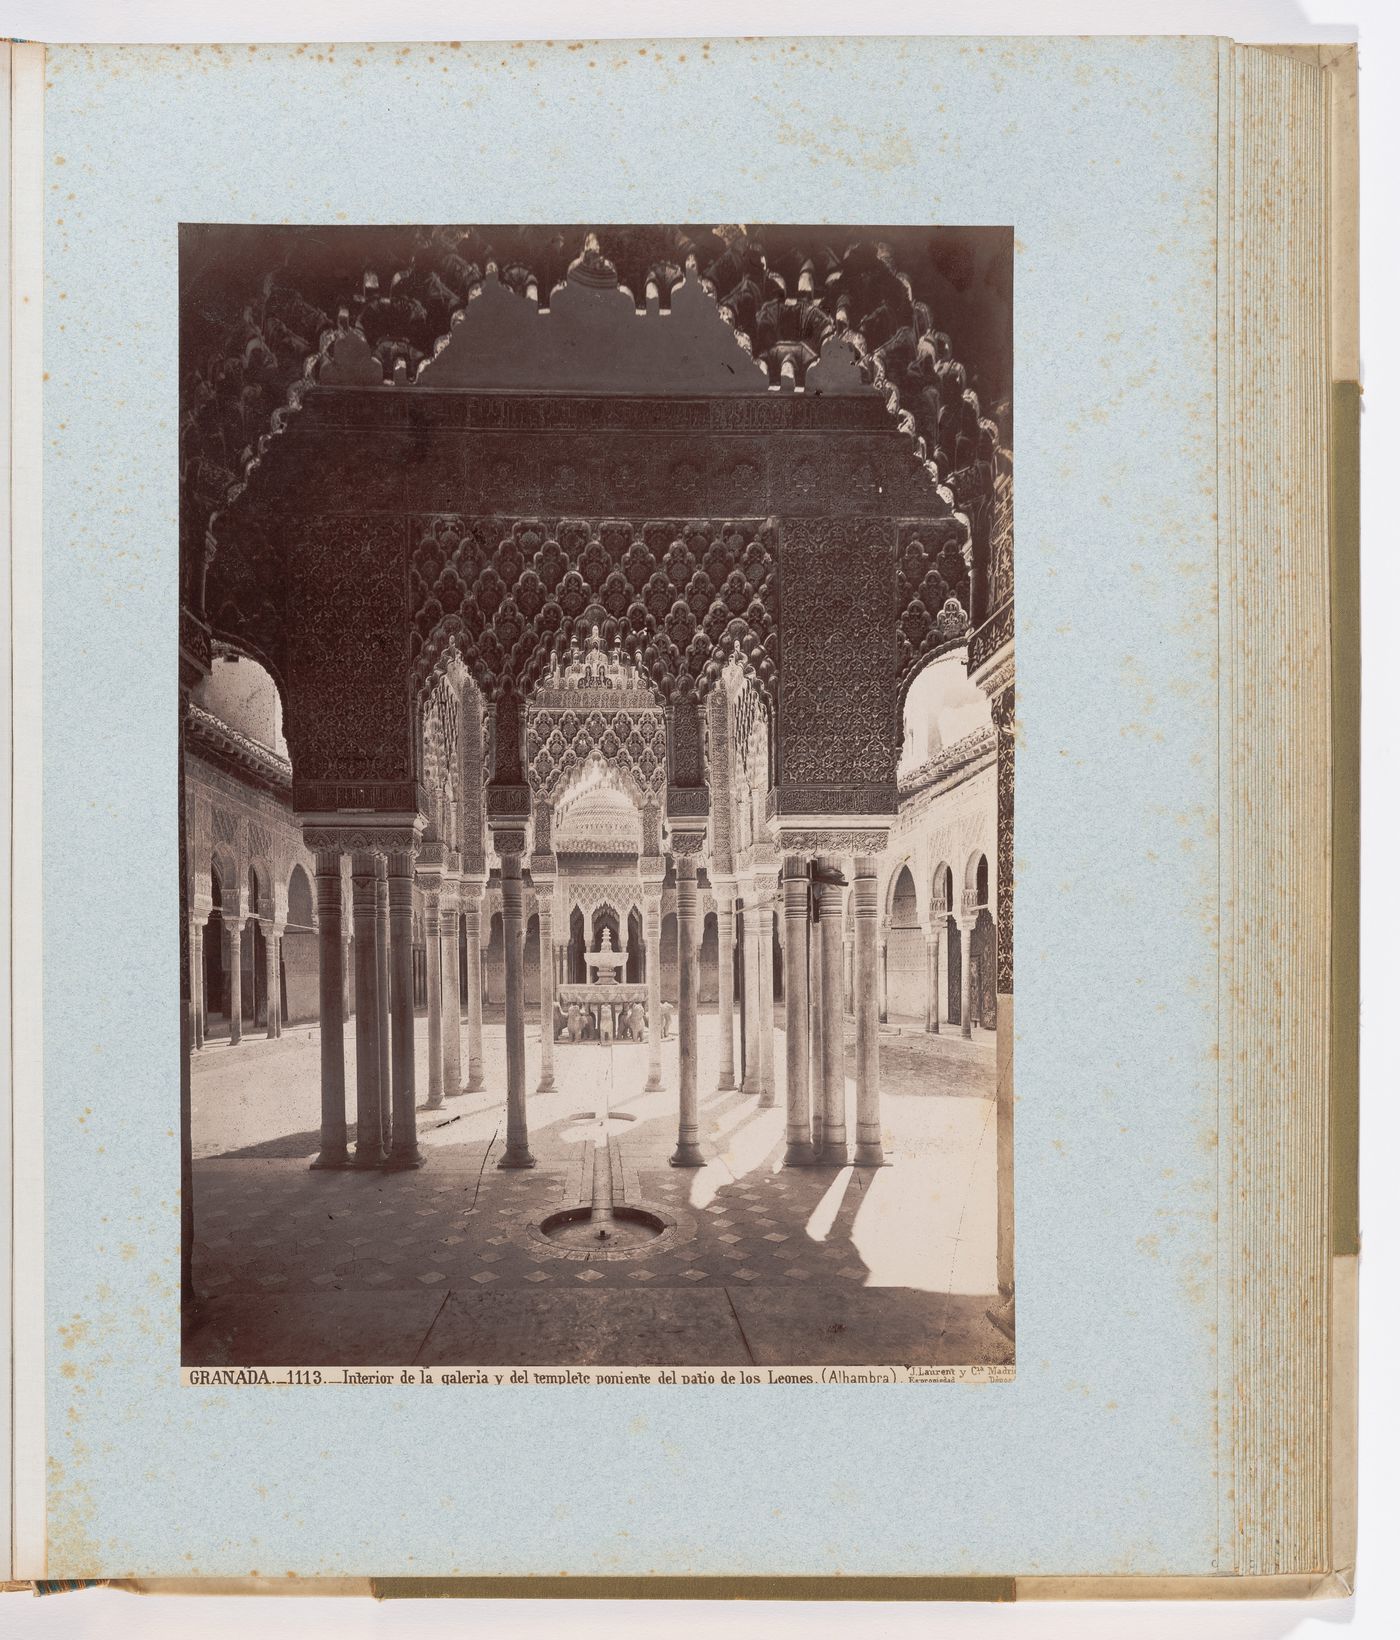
(636, 1230)
(624, 1229)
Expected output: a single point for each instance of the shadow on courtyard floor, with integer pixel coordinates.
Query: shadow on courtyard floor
(775, 1266)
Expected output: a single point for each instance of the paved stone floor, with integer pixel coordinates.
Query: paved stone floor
(766, 1265)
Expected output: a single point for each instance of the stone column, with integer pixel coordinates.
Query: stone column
(884, 976)
(965, 992)
(347, 968)
(332, 1152)
(274, 990)
(869, 1148)
(767, 1085)
(797, 906)
(848, 974)
(432, 962)
(517, 1151)
(381, 996)
(935, 969)
(651, 927)
(544, 909)
(235, 980)
(197, 980)
(687, 1152)
(724, 918)
(471, 921)
(403, 1152)
(451, 998)
(817, 1057)
(369, 1130)
(832, 934)
(753, 1074)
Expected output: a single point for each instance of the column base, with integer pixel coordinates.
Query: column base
(370, 1155)
(475, 1083)
(799, 1153)
(729, 1086)
(404, 1161)
(518, 1157)
(768, 1099)
(967, 1033)
(687, 1154)
(870, 1154)
(835, 1155)
(654, 1084)
(547, 1084)
(1002, 1314)
(330, 1161)
(434, 1102)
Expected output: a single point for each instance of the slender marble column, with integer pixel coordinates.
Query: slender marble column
(517, 1151)
(834, 1152)
(848, 975)
(753, 1072)
(404, 1152)
(544, 910)
(332, 1152)
(269, 934)
(278, 930)
(884, 966)
(235, 980)
(432, 962)
(471, 918)
(369, 1134)
(687, 919)
(451, 1002)
(931, 1019)
(965, 994)
(767, 1085)
(724, 917)
(817, 1056)
(381, 996)
(347, 969)
(196, 981)
(869, 1148)
(651, 925)
(797, 906)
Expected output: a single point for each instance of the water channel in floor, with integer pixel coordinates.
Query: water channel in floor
(604, 1225)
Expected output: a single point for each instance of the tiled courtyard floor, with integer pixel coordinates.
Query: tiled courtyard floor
(766, 1265)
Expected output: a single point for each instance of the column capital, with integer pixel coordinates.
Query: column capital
(508, 840)
(687, 841)
(361, 833)
(811, 836)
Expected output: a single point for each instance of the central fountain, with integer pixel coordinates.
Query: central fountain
(599, 1010)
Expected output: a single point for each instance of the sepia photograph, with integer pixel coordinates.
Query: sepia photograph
(597, 785)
